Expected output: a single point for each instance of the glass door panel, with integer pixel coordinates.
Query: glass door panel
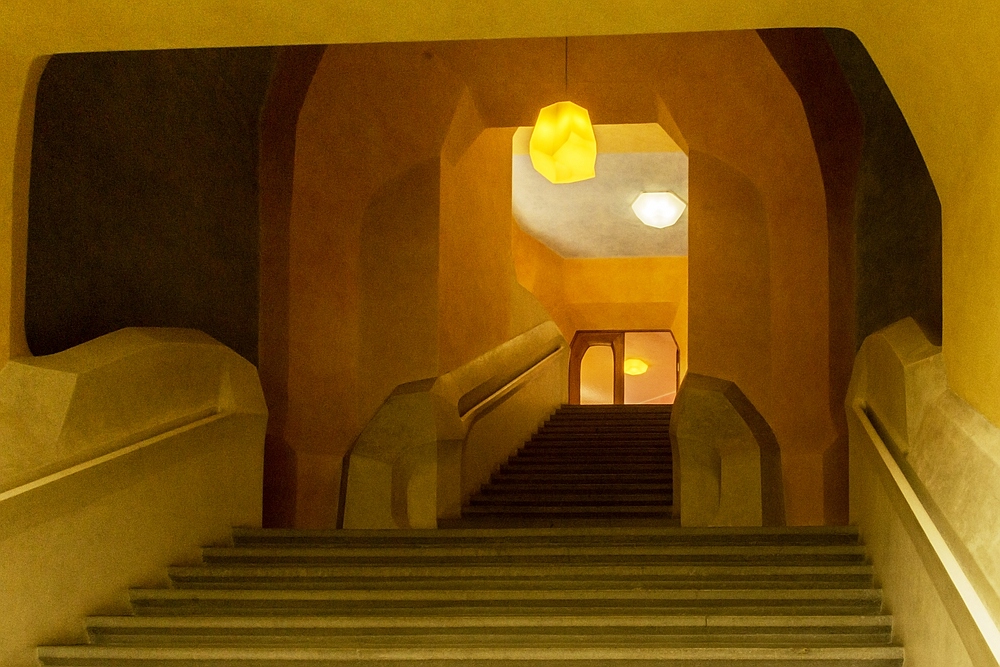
(650, 367)
(597, 376)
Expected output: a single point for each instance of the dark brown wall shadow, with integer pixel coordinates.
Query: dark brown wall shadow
(806, 58)
(143, 206)
(292, 75)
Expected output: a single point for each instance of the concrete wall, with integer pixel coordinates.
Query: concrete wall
(144, 206)
(293, 73)
(750, 121)
(607, 293)
(155, 450)
(924, 492)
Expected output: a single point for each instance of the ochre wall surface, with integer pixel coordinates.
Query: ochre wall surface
(897, 212)
(835, 123)
(363, 250)
(475, 252)
(937, 59)
(934, 59)
(606, 293)
(751, 119)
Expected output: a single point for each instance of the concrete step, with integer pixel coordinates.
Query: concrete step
(584, 468)
(610, 438)
(619, 451)
(620, 537)
(570, 462)
(614, 410)
(547, 576)
(108, 627)
(334, 553)
(476, 656)
(528, 475)
(592, 455)
(591, 510)
(605, 427)
(514, 486)
(537, 601)
(486, 500)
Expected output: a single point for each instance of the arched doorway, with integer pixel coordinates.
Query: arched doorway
(624, 367)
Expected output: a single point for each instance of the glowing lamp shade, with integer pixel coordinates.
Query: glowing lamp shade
(636, 366)
(658, 209)
(562, 146)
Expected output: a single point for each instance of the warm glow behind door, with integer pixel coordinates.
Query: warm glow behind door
(597, 376)
(659, 383)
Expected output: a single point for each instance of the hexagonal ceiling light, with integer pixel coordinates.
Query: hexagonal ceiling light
(563, 148)
(658, 209)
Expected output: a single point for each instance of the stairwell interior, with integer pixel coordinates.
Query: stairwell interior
(568, 556)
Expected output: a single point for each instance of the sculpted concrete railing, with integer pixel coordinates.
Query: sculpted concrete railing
(925, 493)
(118, 458)
(727, 465)
(434, 442)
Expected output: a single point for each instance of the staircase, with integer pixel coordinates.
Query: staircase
(588, 464)
(578, 597)
(573, 596)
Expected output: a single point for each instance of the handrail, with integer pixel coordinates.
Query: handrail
(129, 446)
(431, 439)
(470, 414)
(986, 642)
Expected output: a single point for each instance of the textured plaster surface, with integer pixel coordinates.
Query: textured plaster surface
(62, 409)
(950, 450)
(727, 466)
(119, 501)
(435, 442)
(897, 384)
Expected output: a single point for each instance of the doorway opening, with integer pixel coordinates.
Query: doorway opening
(624, 367)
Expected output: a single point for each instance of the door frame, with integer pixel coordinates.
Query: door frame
(615, 339)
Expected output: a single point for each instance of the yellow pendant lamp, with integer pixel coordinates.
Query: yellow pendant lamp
(562, 147)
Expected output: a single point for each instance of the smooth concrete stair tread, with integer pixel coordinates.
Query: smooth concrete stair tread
(621, 537)
(548, 498)
(602, 580)
(70, 655)
(500, 639)
(514, 486)
(607, 537)
(538, 477)
(569, 510)
(758, 596)
(497, 620)
(603, 459)
(513, 548)
(536, 569)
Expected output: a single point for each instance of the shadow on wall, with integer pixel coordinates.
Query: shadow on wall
(144, 211)
(143, 204)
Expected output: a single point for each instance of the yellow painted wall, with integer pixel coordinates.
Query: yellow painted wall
(363, 250)
(940, 60)
(400, 265)
(474, 316)
(759, 290)
(606, 293)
